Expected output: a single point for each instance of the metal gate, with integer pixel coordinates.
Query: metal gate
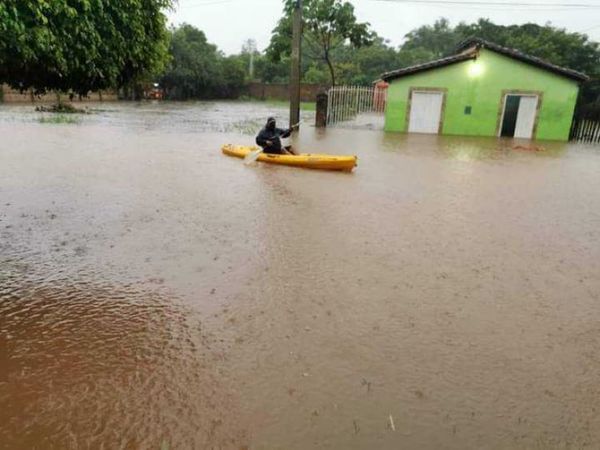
(356, 106)
(585, 130)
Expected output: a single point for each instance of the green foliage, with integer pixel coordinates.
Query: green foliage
(270, 71)
(439, 39)
(364, 65)
(232, 78)
(59, 119)
(80, 45)
(589, 101)
(193, 68)
(316, 75)
(198, 69)
(328, 25)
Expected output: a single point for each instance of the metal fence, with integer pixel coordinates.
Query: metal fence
(356, 106)
(585, 130)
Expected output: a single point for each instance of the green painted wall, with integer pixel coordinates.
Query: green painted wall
(479, 84)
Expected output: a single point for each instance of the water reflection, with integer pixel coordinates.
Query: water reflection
(89, 364)
(466, 149)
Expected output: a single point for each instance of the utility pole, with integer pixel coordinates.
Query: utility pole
(296, 59)
(250, 48)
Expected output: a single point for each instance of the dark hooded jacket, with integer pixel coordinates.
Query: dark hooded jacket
(271, 133)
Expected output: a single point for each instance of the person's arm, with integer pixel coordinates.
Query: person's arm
(285, 133)
(262, 140)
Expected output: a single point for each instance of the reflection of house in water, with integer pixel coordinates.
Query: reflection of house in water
(484, 90)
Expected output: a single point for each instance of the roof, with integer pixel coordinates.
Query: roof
(428, 66)
(469, 49)
(516, 54)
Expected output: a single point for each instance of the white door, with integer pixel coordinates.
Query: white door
(526, 117)
(425, 112)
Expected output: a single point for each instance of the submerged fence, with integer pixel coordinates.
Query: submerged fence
(348, 103)
(585, 130)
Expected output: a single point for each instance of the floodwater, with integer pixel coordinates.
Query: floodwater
(155, 294)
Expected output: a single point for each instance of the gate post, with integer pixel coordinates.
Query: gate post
(321, 115)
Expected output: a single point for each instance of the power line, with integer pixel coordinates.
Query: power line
(494, 3)
(207, 3)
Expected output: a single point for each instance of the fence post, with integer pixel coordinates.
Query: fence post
(321, 115)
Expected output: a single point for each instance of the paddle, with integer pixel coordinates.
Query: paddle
(253, 156)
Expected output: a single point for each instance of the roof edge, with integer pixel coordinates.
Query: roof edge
(389, 76)
(523, 57)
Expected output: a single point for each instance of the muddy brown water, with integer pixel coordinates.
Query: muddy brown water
(157, 294)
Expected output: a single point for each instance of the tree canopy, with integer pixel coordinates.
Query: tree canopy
(328, 25)
(80, 45)
(197, 69)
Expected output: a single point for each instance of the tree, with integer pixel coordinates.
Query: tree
(439, 39)
(232, 78)
(316, 74)
(193, 69)
(328, 25)
(364, 65)
(198, 69)
(269, 71)
(80, 45)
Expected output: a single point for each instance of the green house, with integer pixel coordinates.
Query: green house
(484, 90)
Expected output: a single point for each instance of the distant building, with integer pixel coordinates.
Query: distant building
(153, 91)
(484, 90)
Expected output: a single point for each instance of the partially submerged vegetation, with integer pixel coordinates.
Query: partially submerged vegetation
(59, 119)
(61, 108)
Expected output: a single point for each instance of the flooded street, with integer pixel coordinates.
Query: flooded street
(156, 294)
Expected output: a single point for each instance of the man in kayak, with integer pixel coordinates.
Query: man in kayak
(270, 137)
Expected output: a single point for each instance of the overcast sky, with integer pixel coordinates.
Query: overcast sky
(228, 23)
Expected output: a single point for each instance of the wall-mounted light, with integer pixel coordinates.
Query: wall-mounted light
(476, 69)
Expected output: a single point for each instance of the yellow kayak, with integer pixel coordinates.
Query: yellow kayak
(309, 161)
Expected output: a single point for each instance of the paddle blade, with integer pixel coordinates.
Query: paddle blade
(252, 156)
